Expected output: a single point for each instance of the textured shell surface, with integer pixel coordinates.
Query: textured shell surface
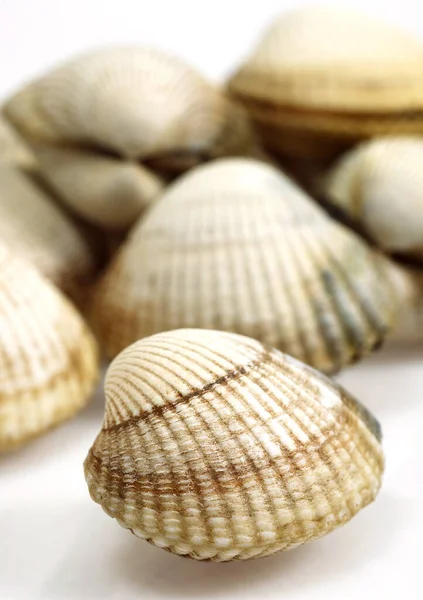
(13, 149)
(380, 185)
(133, 101)
(236, 246)
(104, 190)
(310, 58)
(41, 232)
(218, 448)
(48, 357)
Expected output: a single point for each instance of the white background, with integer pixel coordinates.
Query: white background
(55, 543)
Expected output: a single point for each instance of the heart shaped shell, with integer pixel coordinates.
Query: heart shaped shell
(48, 357)
(322, 78)
(42, 233)
(236, 246)
(380, 185)
(13, 149)
(216, 447)
(133, 101)
(106, 191)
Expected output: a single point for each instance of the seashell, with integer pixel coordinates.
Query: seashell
(235, 245)
(133, 101)
(379, 185)
(42, 233)
(218, 448)
(13, 149)
(408, 290)
(104, 190)
(48, 357)
(313, 90)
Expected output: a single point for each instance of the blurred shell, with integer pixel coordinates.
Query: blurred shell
(314, 90)
(408, 290)
(106, 191)
(136, 102)
(380, 185)
(42, 233)
(218, 448)
(48, 358)
(236, 246)
(13, 149)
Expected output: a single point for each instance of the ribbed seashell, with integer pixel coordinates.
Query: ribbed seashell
(104, 190)
(236, 246)
(313, 89)
(42, 233)
(380, 185)
(136, 102)
(13, 149)
(48, 357)
(218, 448)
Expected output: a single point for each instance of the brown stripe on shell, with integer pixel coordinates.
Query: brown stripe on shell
(259, 458)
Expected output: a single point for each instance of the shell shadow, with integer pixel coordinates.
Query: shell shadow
(345, 550)
(73, 550)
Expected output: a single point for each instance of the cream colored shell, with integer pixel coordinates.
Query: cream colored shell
(236, 246)
(42, 233)
(13, 149)
(133, 101)
(408, 290)
(218, 448)
(102, 189)
(334, 58)
(380, 185)
(48, 357)
(322, 79)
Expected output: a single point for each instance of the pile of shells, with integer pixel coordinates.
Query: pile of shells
(165, 208)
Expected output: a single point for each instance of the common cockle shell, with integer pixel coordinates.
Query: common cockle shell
(39, 230)
(379, 184)
(322, 78)
(133, 101)
(218, 448)
(104, 190)
(236, 246)
(48, 357)
(408, 291)
(13, 149)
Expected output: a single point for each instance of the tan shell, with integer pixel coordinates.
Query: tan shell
(13, 149)
(380, 185)
(408, 290)
(236, 246)
(48, 357)
(219, 448)
(136, 102)
(322, 78)
(42, 233)
(105, 191)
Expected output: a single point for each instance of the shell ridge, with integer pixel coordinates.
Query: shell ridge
(157, 411)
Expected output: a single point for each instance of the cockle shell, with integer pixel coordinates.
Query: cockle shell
(48, 357)
(236, 246)
(13, 149)
(133, 101)
(42, 233)
(408, 290)
(380, 185)
(322, 78)
(104, 190)
(218, 448)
